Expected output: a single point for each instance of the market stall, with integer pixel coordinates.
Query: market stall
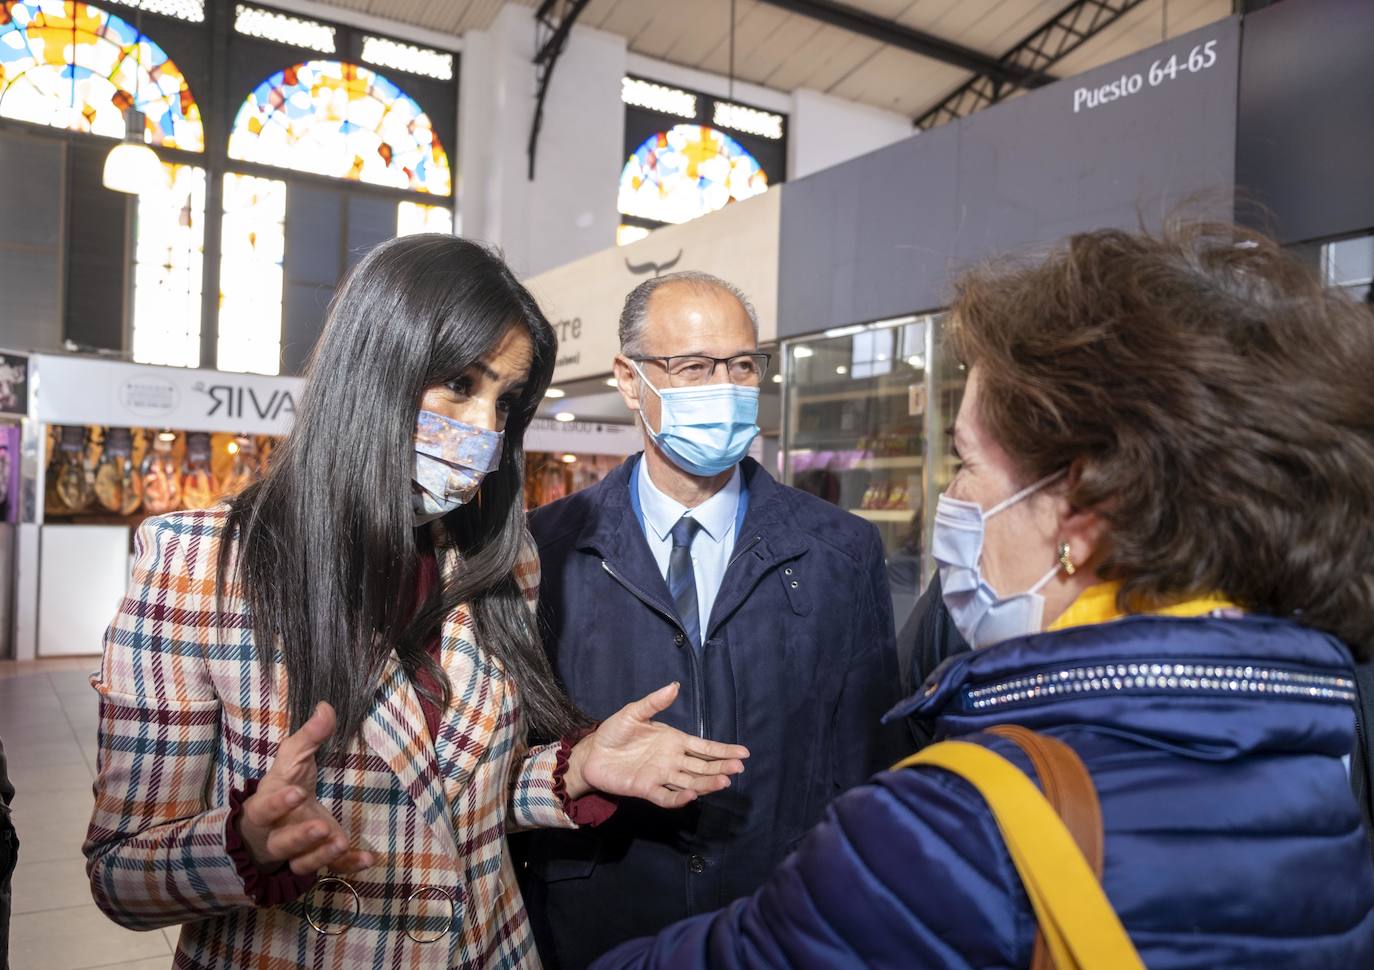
(110, 443)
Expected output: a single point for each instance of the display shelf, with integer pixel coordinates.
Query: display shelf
(885, 515)
(883, 464)
(811, 397)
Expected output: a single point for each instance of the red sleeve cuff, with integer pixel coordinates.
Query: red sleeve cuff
(591, 809)
(267, 888)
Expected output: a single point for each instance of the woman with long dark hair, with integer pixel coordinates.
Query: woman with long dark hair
(314, 699)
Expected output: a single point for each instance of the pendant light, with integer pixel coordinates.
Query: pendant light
(131, 165)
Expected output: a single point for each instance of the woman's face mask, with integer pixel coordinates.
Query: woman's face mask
(981, 615)
(451, 460)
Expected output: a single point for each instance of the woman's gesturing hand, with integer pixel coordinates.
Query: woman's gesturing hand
(282, 822)
(630, 754)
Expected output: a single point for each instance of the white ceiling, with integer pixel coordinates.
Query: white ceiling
(788, 51)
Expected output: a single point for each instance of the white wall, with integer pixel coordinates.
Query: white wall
(568, 211)
(826, 131)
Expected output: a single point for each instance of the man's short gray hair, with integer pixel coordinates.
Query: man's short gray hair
(636, 312)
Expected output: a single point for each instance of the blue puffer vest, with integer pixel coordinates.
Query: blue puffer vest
(1232, 837)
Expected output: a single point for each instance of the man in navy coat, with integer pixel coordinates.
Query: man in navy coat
(770, 607)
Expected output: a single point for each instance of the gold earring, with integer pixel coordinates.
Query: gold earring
(1065, 560)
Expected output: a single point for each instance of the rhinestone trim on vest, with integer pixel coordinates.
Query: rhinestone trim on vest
(1169, 677)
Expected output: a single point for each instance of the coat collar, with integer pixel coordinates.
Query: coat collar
(434, 771)
(768, 536)
(766, 520)
(395, 729)
(1226, 684)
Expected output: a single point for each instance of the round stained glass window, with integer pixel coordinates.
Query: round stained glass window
(686, 172)
(74, 66)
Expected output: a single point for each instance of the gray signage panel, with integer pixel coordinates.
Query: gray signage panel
(1305, 136)
(885, 234)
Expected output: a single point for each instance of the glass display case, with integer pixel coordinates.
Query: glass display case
(865, 411)
(550, 476)
(1349, 265)
(99, 475)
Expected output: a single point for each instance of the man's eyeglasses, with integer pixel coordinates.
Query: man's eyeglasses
(747, 370)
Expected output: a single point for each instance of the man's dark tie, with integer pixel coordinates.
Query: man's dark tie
(682, 582)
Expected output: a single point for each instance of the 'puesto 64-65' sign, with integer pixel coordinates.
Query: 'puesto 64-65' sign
(78, 390)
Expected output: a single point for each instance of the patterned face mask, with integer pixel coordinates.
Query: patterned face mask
(451, 459)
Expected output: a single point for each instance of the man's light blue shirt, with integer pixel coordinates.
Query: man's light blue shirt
(714, 542)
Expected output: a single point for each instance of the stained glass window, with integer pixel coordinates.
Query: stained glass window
(167, 269)
(344, 121)
(688, 171)
(413, 217)
(250, 276)
(74, 66)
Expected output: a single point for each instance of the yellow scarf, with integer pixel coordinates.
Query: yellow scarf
(1097, 604)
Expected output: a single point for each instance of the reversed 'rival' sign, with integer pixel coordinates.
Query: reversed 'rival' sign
(79, 390)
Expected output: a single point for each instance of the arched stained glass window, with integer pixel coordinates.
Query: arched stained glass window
(74, 66)
(167, 269)
(344, 121)
(688, 171)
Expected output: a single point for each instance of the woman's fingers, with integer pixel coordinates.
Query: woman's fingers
(714, 750)
(701, 784)
(667, 798)
(297, 752)
(352, 862)
(324, 855)
(266, 809)
(298, 839)
(647, 707)
(696, 766)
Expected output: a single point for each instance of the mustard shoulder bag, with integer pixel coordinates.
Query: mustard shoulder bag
(1055, 841)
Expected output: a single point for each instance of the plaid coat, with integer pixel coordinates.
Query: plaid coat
(186, 716)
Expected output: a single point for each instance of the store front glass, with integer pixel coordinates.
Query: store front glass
(865, 411)
(1349, 264)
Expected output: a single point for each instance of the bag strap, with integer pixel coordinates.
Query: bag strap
(1068, 787)
(1080, 927)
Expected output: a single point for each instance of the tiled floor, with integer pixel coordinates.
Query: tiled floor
(48, 724)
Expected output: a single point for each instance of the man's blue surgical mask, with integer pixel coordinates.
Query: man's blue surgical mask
(705, 430)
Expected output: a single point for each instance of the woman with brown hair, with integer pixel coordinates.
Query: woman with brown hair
(1160, 543)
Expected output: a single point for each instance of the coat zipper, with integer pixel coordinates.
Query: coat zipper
(1362, 753)
(697, 686)
(730, 565)
(735, 558)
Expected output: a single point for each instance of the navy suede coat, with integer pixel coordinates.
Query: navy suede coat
(1232, 836)
(797, 663)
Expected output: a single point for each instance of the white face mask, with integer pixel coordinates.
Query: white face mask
(983, 617)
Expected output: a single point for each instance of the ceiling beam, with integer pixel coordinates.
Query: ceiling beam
(890, 32)
(1065, 32)
(553, 23)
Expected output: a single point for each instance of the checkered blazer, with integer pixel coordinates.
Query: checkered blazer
(186, 716)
